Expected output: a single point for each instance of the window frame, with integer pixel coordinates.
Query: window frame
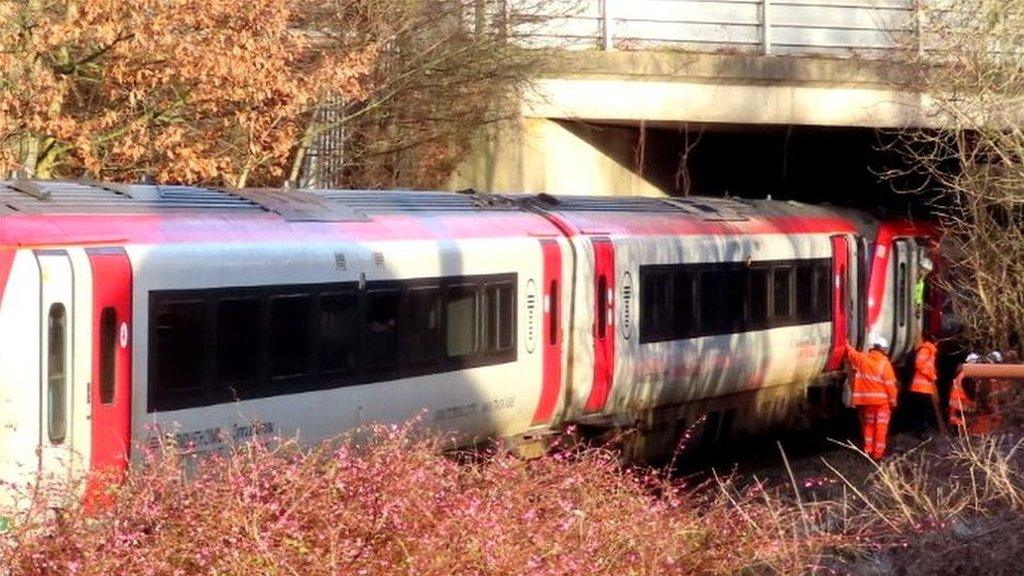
(207, 392)
(108, 356)
(57, 395)
(738, 316)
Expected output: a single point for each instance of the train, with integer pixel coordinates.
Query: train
(134, 313)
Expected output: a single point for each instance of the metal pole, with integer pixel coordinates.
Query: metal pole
(606, 25)
(766, 27)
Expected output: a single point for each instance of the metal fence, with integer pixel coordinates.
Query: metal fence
(838, 28)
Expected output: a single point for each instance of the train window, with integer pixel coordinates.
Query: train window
(712, 316)
(246, 337)
(757, 298)
(423, 328)
(238, 323)
(289, 335)
(805, 293)
(602, 306)
(901, 295)
(782, 293)
(655, 306)
(498, 323)
(461, 320)
(177, 346)
(553, 314)
(56, 371)
(682, 314)
(734, 289)
(382, 313)
(822, 292)
(108, 347)
(338, 319)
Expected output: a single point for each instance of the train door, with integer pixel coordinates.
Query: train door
(840, 300)
(604, 323)
(551, 333)
(854, 326)
(56, 350)
(110, 396)
(904, 267)
(863, 270)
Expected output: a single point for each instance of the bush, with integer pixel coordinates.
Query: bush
(396, 504)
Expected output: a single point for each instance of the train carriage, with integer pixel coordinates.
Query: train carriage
(215, 316)
(128, 312)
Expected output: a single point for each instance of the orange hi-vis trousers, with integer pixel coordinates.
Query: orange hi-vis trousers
(874, 425)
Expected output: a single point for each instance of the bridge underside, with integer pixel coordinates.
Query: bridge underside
(648, 123)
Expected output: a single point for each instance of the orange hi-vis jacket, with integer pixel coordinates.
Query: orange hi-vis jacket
(961, 407)
(925, 374)
(874, 382)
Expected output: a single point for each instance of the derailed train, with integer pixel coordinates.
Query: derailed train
(128, 312)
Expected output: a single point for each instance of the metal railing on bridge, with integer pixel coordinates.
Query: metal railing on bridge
(837, 28)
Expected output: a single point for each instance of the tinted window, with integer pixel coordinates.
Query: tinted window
(734, 293)
(682, 315)
(423, 330)
(711, 291)
(712, 299)
(499, 324)
(782, 292)
(460, 321)
(208, 345)
(805, 293)
(289, 335)
(238, 327)
(655, 305)
(178, 346)
(901, 294)
(382, 313)
(823, 293)
(602, 306)
(108, 347)
(757, 298)
(338, 327)
(56, 370)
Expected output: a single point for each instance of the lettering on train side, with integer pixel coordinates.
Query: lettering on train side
(213, 438)
(474, 408)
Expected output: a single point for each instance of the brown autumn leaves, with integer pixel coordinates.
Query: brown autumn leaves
(222, 91)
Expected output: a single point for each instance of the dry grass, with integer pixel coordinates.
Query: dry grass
(394, 504)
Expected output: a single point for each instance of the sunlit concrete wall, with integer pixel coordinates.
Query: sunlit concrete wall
(555, 156)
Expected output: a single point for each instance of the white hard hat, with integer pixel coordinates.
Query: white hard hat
(994, 357)
(973, 358)
(880, 342)
(926, 264)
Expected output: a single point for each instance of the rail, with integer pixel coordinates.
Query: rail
(835, 28)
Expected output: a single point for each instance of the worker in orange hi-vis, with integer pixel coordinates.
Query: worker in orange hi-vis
(873, 393)
(992, 394)
(961, 406)
(923, 391)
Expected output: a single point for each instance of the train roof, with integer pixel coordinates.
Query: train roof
(53, 211)
(688, 215)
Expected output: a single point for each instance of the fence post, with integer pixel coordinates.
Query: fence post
(766, 27)
(606, 25)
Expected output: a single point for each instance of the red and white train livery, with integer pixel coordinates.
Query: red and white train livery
(131, 311)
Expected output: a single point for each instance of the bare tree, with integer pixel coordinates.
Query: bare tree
(447, 68)
(970, 65)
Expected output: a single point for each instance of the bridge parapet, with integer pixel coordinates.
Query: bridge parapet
(835, 28)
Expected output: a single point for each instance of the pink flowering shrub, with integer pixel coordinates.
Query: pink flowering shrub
(396, 504)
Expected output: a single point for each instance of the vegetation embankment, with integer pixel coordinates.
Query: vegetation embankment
(395, 504)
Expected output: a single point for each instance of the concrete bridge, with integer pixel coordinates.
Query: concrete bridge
(631, 71)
